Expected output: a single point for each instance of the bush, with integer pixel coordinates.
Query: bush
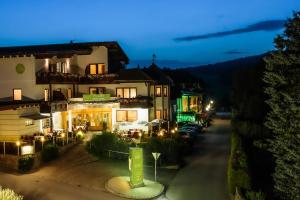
(172, 150)
(50, 152)
(238, 172)
(100, 144)
(26, 163)
(255, 195)
(8, 194)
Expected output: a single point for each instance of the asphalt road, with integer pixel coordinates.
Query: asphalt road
(204, 176)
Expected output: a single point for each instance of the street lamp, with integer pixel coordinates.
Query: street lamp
(42, 140)
(63, 138)
(18, 145)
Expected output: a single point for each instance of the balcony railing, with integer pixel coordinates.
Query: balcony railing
(139, 101)
(67, 78)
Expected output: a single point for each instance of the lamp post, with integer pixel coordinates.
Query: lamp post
(42, 140)
(63, 138)
(18, 145)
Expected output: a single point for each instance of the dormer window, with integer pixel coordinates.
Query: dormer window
(98, 68)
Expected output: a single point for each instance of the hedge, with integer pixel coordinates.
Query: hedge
(50, 152)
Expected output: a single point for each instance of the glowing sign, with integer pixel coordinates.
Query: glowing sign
(136, 167)
(26, 150)
(96, 97)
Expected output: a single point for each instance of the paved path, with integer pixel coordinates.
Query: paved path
(204, 176)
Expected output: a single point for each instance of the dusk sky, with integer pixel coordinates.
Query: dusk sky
(180, 33)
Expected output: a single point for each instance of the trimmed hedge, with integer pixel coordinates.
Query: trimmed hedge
(25, 163)
(50, 152)
(172, 149)
(8, 194)
(238, 172)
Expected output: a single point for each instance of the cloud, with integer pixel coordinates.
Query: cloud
(269, 25)
(233, 52)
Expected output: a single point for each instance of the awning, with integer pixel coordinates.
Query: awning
(35, 116)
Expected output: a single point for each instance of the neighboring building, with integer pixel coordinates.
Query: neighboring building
(84, 85)
(189, 106)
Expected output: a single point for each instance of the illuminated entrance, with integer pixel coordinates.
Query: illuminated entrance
(92, 119)
(90, 116)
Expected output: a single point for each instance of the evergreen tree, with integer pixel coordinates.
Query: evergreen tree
(282, 77)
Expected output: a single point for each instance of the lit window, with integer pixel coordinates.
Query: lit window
(28, 122)
(131, 115)
(97, 68)
(46, 95)
(121, 115)
(158, 91)
(93, 69)
(120, 92)
(126, 93)
(165, 114)
(69, 93)
(101, 69)
(97, 90)
(132, 92)
(127, 115)
(165, 91)
(93, 90)
(158, 114)
(17, 94)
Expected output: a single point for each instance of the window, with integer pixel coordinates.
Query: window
(132, 92)
(97, 90)
(121, 115)
(69, 93)
(165, 91)
(17, 94)
(119, 92)
(158, 114)
(127, 115)
(101, 68)
(158, 91)
(165, 114)
(131, 115)
(28, 122)
(46, 95)
(93, 69)
(126, 92)
(97, 68)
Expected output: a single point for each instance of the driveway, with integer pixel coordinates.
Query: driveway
(204, 176)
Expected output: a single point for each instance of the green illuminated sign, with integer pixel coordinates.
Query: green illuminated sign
(136, 167)
(96, 97)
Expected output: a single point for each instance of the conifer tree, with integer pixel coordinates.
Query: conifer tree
(282, 78)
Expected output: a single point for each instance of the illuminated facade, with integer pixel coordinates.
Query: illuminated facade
(189, 106)
(84, 85)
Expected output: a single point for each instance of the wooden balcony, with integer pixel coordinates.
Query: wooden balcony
(139, 101)
(67, 78)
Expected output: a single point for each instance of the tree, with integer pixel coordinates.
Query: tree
(282, 77)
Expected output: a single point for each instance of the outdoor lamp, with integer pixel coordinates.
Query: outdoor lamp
(42, 139)
(176, 128)
(62, 135)
(173, 131)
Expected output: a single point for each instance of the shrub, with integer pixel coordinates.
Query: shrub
(238, 172)
(50, 152)
(252, 195)
(26, 163)
(100, 144)
(8, 194)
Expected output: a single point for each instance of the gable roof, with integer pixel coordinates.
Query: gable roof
(158, 75)
(66, 49)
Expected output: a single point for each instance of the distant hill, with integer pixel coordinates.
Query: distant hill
(218, 77)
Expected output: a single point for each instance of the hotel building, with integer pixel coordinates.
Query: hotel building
(44, 88)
